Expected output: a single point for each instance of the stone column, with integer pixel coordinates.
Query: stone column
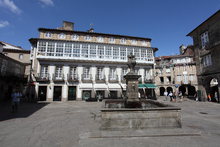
(50, 88)
(64, 92)
(132, 88)
(78, 93)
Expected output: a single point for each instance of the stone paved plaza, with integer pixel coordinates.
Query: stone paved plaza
(76, 124)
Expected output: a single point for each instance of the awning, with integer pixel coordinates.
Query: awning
(147, 86)
(100, 86)
(86, 86)
(114, 86)
(124, 86)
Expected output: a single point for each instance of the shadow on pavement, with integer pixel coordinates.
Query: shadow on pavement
(24, 110)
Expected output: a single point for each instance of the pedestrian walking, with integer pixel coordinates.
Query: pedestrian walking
(196, 97)
(166, 95)
(174, 97)
(209, 97)
(16, 95)
(181, 96)
(171, 96)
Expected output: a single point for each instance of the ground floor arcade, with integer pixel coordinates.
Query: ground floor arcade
(187, 90)
(209, 87)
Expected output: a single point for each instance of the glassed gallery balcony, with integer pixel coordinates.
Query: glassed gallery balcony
(45, 77)
(58, 77)
(86, 78)
(100, 79)
(72, 77)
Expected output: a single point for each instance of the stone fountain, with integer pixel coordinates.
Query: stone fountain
(134, 113)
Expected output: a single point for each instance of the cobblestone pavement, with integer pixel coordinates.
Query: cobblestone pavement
(70, 124)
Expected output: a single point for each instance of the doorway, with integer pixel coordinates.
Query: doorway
(100, 94)
(72, 93)
(57, 93)
(86, 94)
(113, 95)
(162, 90)
(42, 93)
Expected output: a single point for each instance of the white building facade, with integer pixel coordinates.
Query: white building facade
(75, 65)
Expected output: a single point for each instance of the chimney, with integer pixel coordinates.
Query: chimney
(182, 49)
(68, 25)
(91, 30)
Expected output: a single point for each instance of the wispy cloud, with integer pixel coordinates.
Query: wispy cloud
(4, 24)
(9, 4)
(47, 2)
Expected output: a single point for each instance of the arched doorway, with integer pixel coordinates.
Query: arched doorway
(214, 90)
(191, 91)
(162, 90)
(182, 89)
(169, 89)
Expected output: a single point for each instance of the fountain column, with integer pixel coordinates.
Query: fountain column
(132, 100)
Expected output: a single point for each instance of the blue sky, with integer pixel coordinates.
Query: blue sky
(165, 21)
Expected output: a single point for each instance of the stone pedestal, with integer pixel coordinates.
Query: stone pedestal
(132, 100)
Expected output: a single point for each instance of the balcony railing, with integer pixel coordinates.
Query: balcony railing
(113, 79)
(58, 78)
(186, 82)
(147, 80)
(86, 78)
(100, 78)
(72, 77)
(42, 77)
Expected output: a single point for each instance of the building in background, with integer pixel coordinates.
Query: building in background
(14, 69)
(19, 54)
(206, 40)
(77, 65)
(176, 73)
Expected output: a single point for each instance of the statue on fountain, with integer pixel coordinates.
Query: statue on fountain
(131, 63)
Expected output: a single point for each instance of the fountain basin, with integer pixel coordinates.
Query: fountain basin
(152, 114)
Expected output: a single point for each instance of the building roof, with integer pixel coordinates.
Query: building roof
(211, 17)
(94, 33)
(10, 46)
(16, 51)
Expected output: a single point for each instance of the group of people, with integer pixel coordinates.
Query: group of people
(173, 96)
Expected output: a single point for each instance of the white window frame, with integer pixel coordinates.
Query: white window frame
(86, 73)
(44, 71)
(75, 37)
(144, 42)
(112, 73)
(134, 42)
(87, 38)
(58, 72)
(100, 73)
(112, 40)
(76, 50)
(204, 39)
(21, 56)
(48, 35)
(73, 72)
(207, 60)
(68, 50)
(62, 36)
(123, 41)
(100, 39)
